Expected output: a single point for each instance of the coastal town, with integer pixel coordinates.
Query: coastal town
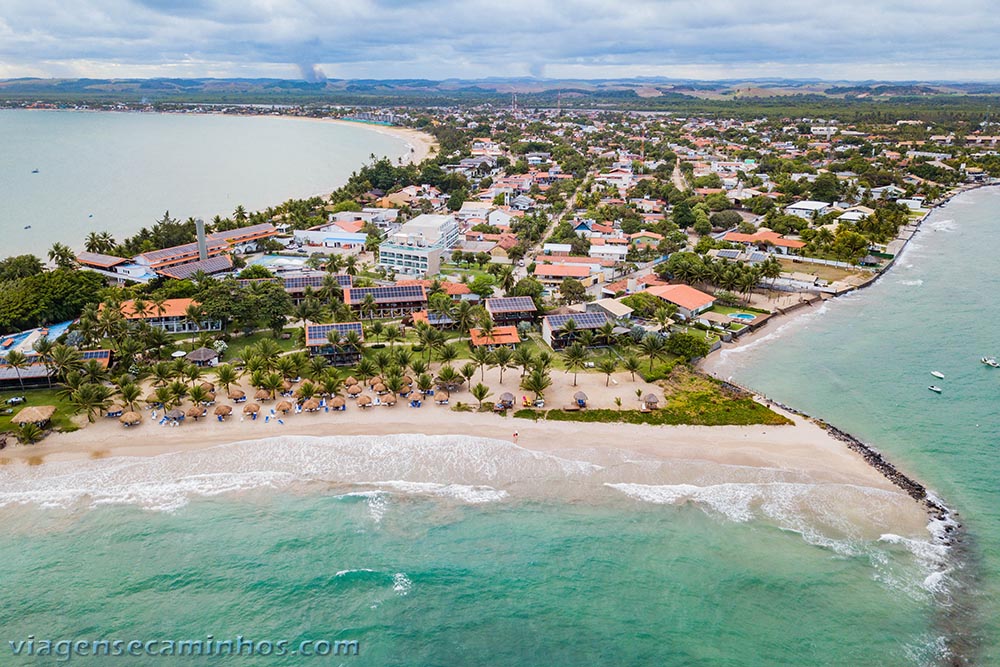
(592, 257)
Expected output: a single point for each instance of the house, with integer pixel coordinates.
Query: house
(645, 239)
(433, 318)
(558, 335)
(613, 308)
(455, 291)
(298, 284)
(765, 238)
(552, 275)
(511, 309)
(210, 266)
(557, 249)
(171, 316)
(808, 209)
(505, 336)
(689, 301)
(614, 252)
(319, 344)
(417, 246)
(382, 302)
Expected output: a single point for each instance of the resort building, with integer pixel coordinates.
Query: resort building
(319, 344)
(172, 317)
(556, 335)
(37, 374)
(499, 337)
(613, 308)
(552, 275)
(434, 319)
(382, 302)
(764, 239)
(417, 247)
(689, 301)
(511, 309)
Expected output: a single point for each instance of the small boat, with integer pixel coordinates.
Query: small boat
(34, 171)
(990, 361)
(936, 389)
(27, 226)
(938, 374)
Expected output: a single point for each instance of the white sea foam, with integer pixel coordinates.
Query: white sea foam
(943, 225)
(401, 584)
(467, 469)
(916, 282)
(344, 573)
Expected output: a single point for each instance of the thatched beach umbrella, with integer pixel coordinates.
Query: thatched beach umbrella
(389, 400)
(251, 409)
(364, 401)
(209, 398)
(175, 415)
(374, 381)
(379, 388)
(237, 394)
(354, 390)
(507, 397)
(312, 405)
(407, 380)
(152, 399)
(208, 386)
(337, 402)
(286, 385)
(350, 381)
(650, 400)
(441, 397)
(114, 411)
(195, 411)
(283, 406)
(223, 411)
(262, 395)
(130, 419)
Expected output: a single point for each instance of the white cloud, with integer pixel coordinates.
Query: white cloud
(892, 39)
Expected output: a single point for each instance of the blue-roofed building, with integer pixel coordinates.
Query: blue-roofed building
(554, 331)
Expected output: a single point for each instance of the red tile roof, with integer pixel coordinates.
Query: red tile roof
(682, 295)
(562, 270)
(501, 336)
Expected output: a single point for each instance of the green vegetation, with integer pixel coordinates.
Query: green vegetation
(61, 420)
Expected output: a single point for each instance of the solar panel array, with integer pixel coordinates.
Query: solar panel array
(581, 320)
(154, 256)
(315, 281)
(210, 265)
(317, 334)
(99, 259)
(243, 232)
(511, 304)
(437, 319)
(391, 294)
(30, 372)
(96, 354)
(728, 254)
(758, 256)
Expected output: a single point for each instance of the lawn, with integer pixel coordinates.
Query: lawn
(60, 420)
(822, 271)
(240, 343)
(691, 398)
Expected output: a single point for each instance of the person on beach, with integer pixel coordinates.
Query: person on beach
(515, 437)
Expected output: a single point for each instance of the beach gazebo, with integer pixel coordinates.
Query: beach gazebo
(283, 407)
(507, 399)
(203, 356)
(580, 398)
(223, 411)
(650, 402)
(350, 381)
(251, 409)
(442, 397)
(196, 411)
(262, 395)
(389, 400)
(354, 389)
(209, 399)
(175, 415)
(208, 387)
(237, 396)
(337, 403)
(364, 401)
(379, 388)
(374, 381)
(312, 405)
(130, 419)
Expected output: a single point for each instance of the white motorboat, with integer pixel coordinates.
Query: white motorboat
(990, 361)
(936, 389)
(937, 374)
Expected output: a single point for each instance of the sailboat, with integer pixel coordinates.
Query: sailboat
(938, 374)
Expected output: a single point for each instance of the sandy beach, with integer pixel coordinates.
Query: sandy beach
(420, 143)
(799, 455)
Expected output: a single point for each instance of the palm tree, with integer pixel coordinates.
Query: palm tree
(61, 255)
(130, 394)
(366, 368)
(317, 367)
(403, 357)
(607, 365)
(418, 366)
(375, 330)
(506, 278)
(268, 350)
(351, 266)
(353, 341)
(480, 392)
(193, 373)
(226, 376)
(163, 373)
(575, 357)
(502, 359)
(43, 348)
(331, 382)
(606, 333)
(662, 317)
(178, 390)
(653, 346)
(368, 307)
(288, 366)
(198, 395)
(29, 434)
(164, 397)
(394, 383)
(393, 334)
(483, 358)
(543, 361)
(536, 382)
(467, 371)
(524, 359)
(448, 378)
(93, 398)
(448, 354)
(65, 359)
(631, 364)
(17, 360)
(465, 316)
(272, 382)
(424, 383)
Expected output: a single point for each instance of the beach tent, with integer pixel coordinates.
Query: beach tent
(130, 419)
(650, 401)
(283, 406)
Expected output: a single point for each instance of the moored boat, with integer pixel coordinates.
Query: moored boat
(937, 374)
(990, 361)
(936, 389)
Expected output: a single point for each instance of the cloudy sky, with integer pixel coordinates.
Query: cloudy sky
(436, 39)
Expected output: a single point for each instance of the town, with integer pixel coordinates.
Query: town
(562, 243)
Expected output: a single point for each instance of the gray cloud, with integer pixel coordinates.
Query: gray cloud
(468, 38)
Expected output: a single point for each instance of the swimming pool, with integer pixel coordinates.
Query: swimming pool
(26, 339)
(742, 316)
(281, 262)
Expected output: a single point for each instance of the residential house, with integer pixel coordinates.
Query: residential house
(318, 342)
(557, 336)
(391, 301)
(511, 309)
(689, 301)
(172, 317)
(808, 209)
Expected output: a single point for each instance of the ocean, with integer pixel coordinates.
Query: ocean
(118, 172)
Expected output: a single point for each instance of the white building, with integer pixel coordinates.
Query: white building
(416, 247)
(808, 209)
(616, 252)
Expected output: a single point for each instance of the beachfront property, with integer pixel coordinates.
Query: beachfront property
(301, 283)
(552, 275)
(765, 239)
(319, 344)
(556, 335)
(385, 302)
(432, 318)
(331, 238)
(172, 317)
(38, 374)
(511, 309)
(613, 308)
(455, 291)
(689, 301)
(417, 246)
(808, 209)
(506, 336)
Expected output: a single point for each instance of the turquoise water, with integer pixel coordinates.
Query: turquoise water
(118, 172)
(863, 362)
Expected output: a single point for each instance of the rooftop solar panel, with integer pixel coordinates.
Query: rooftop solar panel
(317, 334)
(511, 304)
(581, 320)
(210, 265)
(96, 354)
(390, 294)
(729, 254)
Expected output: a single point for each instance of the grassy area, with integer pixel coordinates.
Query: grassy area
(690, 399)
(239, 343)
(60, 420)
(822, 271)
